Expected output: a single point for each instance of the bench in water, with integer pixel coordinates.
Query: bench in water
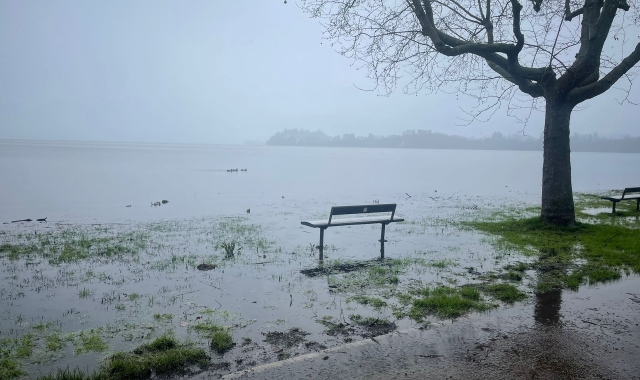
(356, 210)
(626, 197)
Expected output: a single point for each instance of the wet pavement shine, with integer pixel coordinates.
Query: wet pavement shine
(590, 334)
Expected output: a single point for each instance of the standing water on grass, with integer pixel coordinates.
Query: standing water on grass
(114, 266)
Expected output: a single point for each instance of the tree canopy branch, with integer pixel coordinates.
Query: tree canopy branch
(589, 91)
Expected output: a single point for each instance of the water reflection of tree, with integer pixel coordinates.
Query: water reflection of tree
(547, 309)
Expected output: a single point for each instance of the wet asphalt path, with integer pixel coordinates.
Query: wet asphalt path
(592, 334)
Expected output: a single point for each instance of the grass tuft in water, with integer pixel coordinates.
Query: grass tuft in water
(15, 252)
(10, 368)
(447, 302)
(514, 275)
(165, 355)
(90, 341)
(53, 342)
(505, 292)
(207, 328)
(221, 341)
(375, 302)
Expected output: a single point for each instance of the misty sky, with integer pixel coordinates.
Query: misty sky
(218, 72)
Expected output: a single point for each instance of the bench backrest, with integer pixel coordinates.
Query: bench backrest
(363, 209)
(630, 190)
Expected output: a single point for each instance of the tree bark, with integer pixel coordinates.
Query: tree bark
(557, 192)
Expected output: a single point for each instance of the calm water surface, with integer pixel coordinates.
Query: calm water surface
(95, 181)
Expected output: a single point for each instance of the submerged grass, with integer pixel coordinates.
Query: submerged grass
(221, 341)
(164, 355)
(17, 251)
(375, 302)
(10, 368)
(207, 328)
(363, 275)
(72, 244)
(90, 341)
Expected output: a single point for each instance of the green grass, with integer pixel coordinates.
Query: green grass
(514, 275)
(442, 263)
(72, 244)
(446, 302)
(10, 368)
(84, 293)
(90, 341)
(162, 343)
(25, 346)
(53, 342)
(207, 328)
(163, 356)
(368, 274)
(469, 292)
(519, 267)
(221, 341)
(15, 252)
(505, 292)
(606, 250)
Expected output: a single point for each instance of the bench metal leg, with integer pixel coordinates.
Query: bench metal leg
(638, 205)
(321, 246)
(614, 208)
(382, 241)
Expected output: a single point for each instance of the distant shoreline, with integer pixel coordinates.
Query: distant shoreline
(605, 145)
(420, 139)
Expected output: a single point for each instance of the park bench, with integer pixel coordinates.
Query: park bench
(356, 210)
(626, 197)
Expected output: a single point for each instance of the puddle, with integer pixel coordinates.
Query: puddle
(598, 210)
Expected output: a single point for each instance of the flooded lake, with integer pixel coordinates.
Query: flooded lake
(95, 181)
(109, 270)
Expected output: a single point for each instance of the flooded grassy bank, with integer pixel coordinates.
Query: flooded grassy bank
(248, 288)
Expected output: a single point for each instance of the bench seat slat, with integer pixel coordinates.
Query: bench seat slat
(616, 199)
(350, 221)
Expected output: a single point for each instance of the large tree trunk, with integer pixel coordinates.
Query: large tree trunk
(557, 193)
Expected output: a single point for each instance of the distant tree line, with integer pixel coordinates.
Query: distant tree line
(421, 139)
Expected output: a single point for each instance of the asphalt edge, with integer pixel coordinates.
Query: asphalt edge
(312, 355)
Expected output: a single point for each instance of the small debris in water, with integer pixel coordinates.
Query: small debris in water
(291, 338)
(206, 266)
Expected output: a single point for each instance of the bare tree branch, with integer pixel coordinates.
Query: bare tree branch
(581, 94)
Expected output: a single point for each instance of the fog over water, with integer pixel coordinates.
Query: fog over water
(93, 181)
